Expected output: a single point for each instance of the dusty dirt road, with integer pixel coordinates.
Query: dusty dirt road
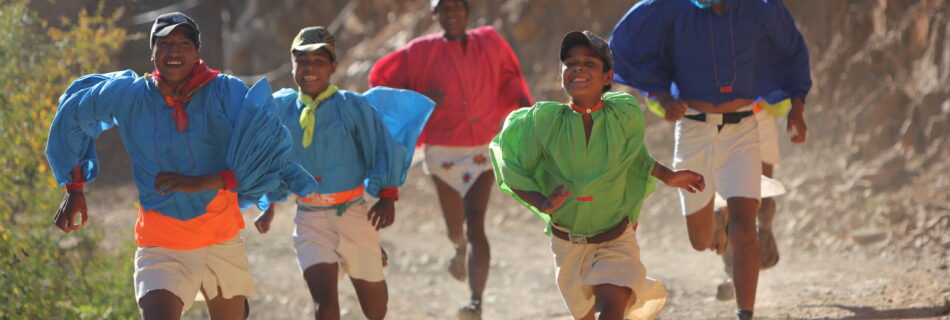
(808, 283)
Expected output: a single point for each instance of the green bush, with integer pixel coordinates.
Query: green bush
(45, 273)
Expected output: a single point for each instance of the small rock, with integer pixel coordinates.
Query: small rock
(868, 237)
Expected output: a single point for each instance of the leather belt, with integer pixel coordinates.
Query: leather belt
(720, 118)
(603, 237)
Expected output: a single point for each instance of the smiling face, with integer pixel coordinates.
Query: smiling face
(174, 56)
(453, 17)
(312, 71)
(582, 73)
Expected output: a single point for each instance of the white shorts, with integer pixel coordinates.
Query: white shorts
(350, 240)
(185, 272)
(457, 166)
(768, 138)
(729, 160)
(579, 268)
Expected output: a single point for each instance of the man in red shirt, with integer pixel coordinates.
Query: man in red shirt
(475, 80)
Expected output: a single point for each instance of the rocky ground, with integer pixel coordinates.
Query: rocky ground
(826, 270)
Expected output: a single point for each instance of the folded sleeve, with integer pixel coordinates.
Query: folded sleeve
(512, 86)
(791, 58)
(383, 156)
(86, 109)
(259, 147)
(641, 48)
(391, 71)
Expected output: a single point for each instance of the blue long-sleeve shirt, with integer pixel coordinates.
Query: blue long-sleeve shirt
(352, 142)
(673, 46)
(230, 127)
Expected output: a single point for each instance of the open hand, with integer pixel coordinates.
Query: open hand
(687, 180)
(264, 219)
(74, 202)
(166, 182)
(383, 213)
(555, 200)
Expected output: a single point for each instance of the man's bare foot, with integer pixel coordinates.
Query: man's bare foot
(726, 291)
(473, 311)
(457, 266)
(768, 250)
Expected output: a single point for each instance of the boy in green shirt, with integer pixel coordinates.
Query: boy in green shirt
(583, 167)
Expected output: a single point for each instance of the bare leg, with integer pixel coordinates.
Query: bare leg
(373, 298)
(742, 238)
(322, 280)
(768, 250)
(454, 213)
(611, 300)
(220, 308)
(476, 204)
(701, 226)
(160, 305)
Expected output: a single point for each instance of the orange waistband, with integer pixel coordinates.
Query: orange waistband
(222, 221)
(331, 199)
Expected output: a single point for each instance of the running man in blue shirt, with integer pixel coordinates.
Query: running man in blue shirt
(706, 62)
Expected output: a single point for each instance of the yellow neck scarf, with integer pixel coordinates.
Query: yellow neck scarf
(308, 118)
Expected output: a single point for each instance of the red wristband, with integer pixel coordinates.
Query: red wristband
(77, 184)
(390, 193)
(230, 182)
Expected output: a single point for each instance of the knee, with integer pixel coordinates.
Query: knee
(700, 243)
(476, 234)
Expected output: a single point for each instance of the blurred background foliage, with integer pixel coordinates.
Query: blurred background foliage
(45, 273)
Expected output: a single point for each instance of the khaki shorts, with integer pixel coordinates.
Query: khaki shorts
(729, 160)
(185, 272)
(579, 268)
(350, 240)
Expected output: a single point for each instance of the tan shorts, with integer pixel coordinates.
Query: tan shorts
(768, 138)
(185, 272)
(729, 160)
(579, 268)
(350, 240)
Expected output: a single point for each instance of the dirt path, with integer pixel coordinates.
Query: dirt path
(806, 284)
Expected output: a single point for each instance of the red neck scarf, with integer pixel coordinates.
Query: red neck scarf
(200, 76)
(583, 110)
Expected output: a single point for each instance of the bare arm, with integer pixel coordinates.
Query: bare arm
(683, 179)
(545, 204)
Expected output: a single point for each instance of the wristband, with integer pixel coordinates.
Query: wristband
(389, 193)
(230, 182)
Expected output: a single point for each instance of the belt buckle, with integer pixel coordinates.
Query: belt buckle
(577, 239)
(714, 118)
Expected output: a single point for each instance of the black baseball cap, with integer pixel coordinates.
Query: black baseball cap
(595, 42)
(165, 23)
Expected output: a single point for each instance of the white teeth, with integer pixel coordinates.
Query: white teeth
(174, 63)
(310, 78)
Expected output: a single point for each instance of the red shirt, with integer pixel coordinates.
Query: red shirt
(481, 84)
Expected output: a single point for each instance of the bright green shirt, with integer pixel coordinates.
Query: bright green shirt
(543, 146)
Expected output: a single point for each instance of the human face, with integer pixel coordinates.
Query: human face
(583, 75)
(312, 71)
(453, 17)
(174, 56)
